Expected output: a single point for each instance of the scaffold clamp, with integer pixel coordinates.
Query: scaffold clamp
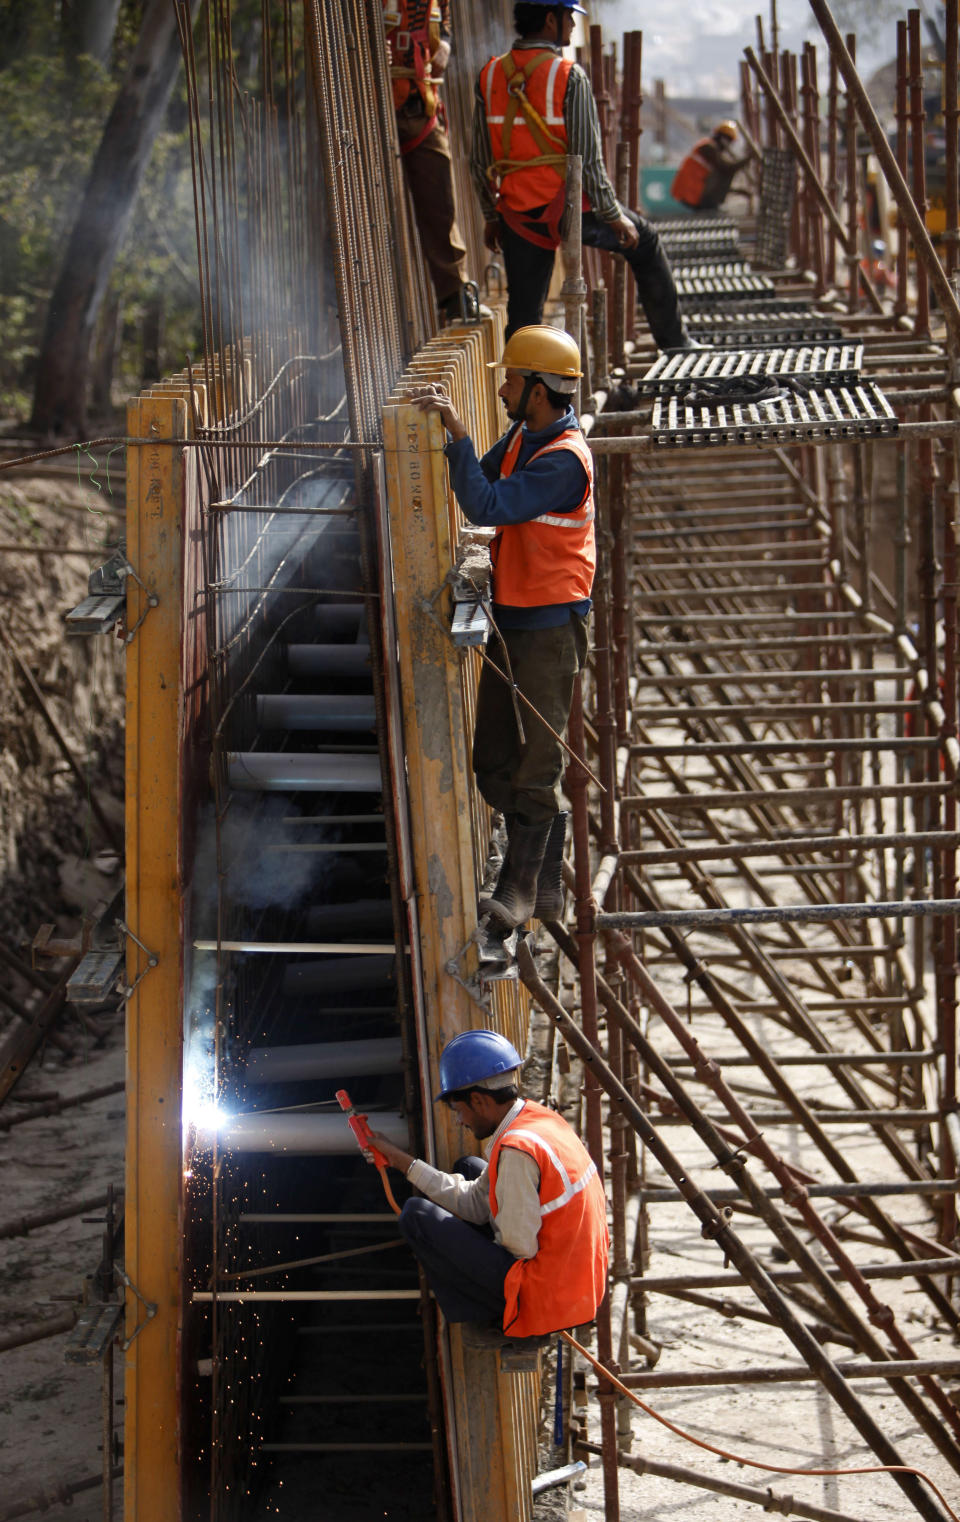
(152, 601)
(152, 959)
(150, 1307)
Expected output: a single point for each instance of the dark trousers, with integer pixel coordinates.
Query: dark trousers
(523, 780)
(464, 1266)
(529, 268)
(429, 175)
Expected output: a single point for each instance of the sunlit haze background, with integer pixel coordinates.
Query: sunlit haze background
(696, 45)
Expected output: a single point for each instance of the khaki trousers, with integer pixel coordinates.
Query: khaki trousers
(429, 175)
(524, 779)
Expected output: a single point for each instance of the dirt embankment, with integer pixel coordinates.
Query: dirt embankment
(49, 833)
(59, 696)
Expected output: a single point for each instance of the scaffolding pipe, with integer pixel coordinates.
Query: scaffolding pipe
(285, 772)
(923, 245)
(772, 914)
(916, 1268)
(304, 1133)
(331, 1059)
(767, 1499)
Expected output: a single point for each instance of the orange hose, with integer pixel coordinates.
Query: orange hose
(381, 1169)
(737, 1458)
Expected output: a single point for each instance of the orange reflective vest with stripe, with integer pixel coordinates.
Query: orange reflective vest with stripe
(413, 36)
(562, 1285)
(523, 96)
(690, 178)
(552, 558)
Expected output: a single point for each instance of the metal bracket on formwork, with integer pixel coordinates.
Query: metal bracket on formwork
(149, 1306)
(98, 1325)
(153, 601)
(152, 960)
(497, 962)
(472, 986)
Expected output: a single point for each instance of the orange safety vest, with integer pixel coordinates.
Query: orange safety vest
(690, 178)
(523, 96)
(413, 36)
(552, 558)
(562, 1285)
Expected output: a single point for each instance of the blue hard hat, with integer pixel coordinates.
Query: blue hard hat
(570, 5)
(474, 1056)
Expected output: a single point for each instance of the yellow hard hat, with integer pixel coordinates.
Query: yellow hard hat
(549, 352)
(728, 128)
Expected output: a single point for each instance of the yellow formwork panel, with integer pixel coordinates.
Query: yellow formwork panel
(155, 495)
(495, 1414)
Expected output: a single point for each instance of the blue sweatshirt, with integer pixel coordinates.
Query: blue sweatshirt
(553, 484)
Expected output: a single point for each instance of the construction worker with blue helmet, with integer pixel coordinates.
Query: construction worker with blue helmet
(516, 1247)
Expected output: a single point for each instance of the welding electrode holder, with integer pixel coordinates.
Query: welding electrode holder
(360, 1127)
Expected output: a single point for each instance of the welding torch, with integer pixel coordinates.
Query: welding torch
(360, 1126)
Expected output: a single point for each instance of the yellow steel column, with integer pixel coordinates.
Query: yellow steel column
(436, 745)
(155, 501)
(494, 1413)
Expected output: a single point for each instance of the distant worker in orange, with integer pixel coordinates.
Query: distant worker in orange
(515, 1247)
(705, 177)
(418, 42)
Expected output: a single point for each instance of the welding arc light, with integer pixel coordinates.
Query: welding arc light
(202, 1112)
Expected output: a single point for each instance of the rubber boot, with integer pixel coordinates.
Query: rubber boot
(511, 903)
(549, 904)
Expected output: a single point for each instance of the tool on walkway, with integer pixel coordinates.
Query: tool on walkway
(360, 1126)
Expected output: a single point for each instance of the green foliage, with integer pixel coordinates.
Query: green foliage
(51, 117)
(52, 114)
(158, 264)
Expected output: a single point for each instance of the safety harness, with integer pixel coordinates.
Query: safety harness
(414, 41)
(552, 152)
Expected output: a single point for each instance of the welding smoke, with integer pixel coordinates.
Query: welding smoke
(261, 870)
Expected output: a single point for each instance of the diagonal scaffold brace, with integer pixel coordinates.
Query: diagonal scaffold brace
(715, 1227)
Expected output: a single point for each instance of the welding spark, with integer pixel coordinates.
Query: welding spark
(202, 1112)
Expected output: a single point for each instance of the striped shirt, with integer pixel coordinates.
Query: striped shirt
(583, 137)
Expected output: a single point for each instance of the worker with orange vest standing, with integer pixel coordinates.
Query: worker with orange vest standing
(418, 43)
(532, 108)
(705, 176)
(518, 1247)
(535, 487)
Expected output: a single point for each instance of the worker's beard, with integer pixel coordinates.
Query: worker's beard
(518, 414)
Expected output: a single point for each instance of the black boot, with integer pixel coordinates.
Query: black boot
(463, 305)
(511, 903)
(549, 904)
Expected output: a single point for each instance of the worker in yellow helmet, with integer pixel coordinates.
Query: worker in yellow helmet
(705, 177)
(535, 487)
(418, 45)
